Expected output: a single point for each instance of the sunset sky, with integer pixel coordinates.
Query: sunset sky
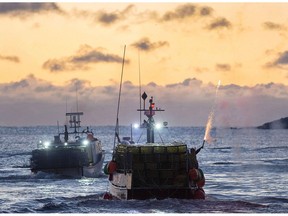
(48, 50)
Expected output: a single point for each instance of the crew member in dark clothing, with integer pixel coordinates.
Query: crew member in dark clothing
(198, 150)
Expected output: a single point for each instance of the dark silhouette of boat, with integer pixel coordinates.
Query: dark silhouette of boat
(77, 153)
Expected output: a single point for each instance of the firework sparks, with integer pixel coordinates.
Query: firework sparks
(207, 137)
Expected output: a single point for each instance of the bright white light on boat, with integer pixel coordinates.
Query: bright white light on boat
(65, 143)
(46, 144)
(40, 142)
(85, 142)
(158, 126)
(136, 126)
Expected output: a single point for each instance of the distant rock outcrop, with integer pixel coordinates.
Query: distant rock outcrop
(277, 124)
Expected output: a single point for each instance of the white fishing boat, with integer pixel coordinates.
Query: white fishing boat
(153, 170)
(76, 154)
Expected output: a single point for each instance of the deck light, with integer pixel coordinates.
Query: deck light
(46, 144)
(158, 126)
(136, 126)
(85, 142)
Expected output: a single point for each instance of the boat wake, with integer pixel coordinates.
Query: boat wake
(97, 204)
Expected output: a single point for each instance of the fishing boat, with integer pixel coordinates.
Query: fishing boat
(153, 170)
(75, 154)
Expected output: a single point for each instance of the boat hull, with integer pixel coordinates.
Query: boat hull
(93, 171)
(152, 171)
(73, 162)
(120, 187)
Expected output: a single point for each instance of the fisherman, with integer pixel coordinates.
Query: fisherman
(198, 150)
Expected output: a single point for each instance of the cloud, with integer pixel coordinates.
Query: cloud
(283, 59)
(273, 26)
(23, 85)
(186, 103)
(185, 11)
(26, 8)
(81, 60)
(280, 62)
(219, 23)
(14, 59)
(187, 82)
(223, 67)
(104, 17)
(145, 44)
(206, 11)
(110, 18)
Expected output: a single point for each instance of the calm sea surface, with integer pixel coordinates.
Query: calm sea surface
(246, 171)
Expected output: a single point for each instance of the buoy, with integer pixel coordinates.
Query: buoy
(108, 196)
(199, 194)
(112, 167)
(201, 183)
(197, 176)
(193, 174)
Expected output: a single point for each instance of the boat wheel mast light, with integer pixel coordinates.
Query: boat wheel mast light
(150, 123)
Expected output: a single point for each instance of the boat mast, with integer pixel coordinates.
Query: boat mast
(75, 121)
(150, 112)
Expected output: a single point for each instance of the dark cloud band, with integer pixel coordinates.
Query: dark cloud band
(81, 60)
(20, 9)
(14, 59)
(145, 45)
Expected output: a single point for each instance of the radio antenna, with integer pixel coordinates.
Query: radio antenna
(118, 107)
(139, 87)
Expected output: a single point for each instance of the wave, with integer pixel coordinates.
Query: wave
(21, 166)
(224, 163)
(15, 154)
(44, 175)
(269, 148)
(54, 207)
(32, 176)
(222, 148)
(276, 199)
(96, 204)
(276, 161)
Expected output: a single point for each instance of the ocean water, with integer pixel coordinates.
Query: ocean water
(246, 171)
